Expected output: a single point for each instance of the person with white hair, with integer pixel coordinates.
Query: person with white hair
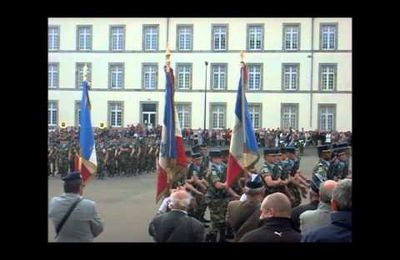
(176, 225)
(340, 228)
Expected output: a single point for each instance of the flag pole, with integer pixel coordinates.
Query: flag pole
(244, 81)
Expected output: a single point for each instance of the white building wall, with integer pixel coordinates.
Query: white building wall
(272, 59)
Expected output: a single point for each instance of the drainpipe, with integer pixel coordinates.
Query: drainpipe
(312, 71)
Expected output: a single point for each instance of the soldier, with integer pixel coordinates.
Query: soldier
(320, 171)
(52, 160)
(206, 161)
(198, 181)
(217, 196)
(124, 159)
(110, 162)
(287, 170)
(271, 174)
(296, 177)
(101, 155)
(63, 162)
(338, 166)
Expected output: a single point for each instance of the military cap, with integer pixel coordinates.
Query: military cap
(339, 151)
(188, 153)
(215, 153)
(72, 176)
(341, 145)
(283, 150)
(225, 151)
(323, 148)
(197, 156)
(196, 148)
(269, 151)
(277, 151)
(291, 149)
(255, 182)
(316, 181)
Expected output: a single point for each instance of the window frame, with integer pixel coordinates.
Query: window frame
(178, 27)
(225, 87)
(146, 26)
(78, 27)
(109, 110)
(297, 108)
(286, 25)
(213, 26)
(321, 36)
(262, 37)
(297, 77)
(143, 73)
(111, 27)
(211, 106)
(327, 105)
(110, 65)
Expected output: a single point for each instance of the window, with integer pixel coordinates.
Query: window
(54, 38)
(218, 78)
(150, 37)
(79, 74)
(185, 37)
(77, 113)
(291, 37)
(116, 76)
(289, 116)
(218, 116)
(117, 38)
(255, 115)
(53, 75)
(254, 82)
(52, 113)
(220, 37)
(327, 77)
(115, 114)
(327, 117)
(84, 38)
(328, 36)
(290, 76)
(149, 76)
(184, 76)
(255, 38)
(184, 111)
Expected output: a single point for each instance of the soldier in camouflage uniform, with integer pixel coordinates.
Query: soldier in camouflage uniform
(337, 168)
(134, 160)
(197, 179)
(124, 159)
(63, 162)
(320, 171)
(270, 173)
(287, 170)
(101, 156)
(53, 160)
(217, 197)
(110, 162)
(206, 161)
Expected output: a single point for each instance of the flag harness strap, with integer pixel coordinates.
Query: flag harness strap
(66, 216)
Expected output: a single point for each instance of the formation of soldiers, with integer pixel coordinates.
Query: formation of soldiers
(206, 180)
(123, 157)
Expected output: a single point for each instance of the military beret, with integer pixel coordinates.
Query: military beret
(215, 153)
(291, 149)
(188, 153)
(277, 151)
(197, 156)
(255, 182)
(283, 150)
(269, 151)
(72, 176)
(196, 148)
(340, 150)
(203, 146)
(225, 151)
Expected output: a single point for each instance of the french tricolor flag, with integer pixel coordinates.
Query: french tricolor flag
(243, 150)
(86, 162)
(172, 161)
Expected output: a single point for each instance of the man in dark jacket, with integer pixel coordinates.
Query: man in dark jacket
(277, 225)
(296, 212)
(340, 229)
(176, 225)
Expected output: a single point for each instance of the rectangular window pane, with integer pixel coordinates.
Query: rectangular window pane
(117, 38)
(53, 75)
(185, 38)
(85, 38)
(53, 38)
(329, 37)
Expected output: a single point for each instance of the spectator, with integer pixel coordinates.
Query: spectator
(176, 225)
(277, 225)
(340, 228)
(321, 216)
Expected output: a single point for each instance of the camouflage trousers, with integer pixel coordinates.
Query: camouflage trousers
(201, 206)
(294, 190)
(218, 209)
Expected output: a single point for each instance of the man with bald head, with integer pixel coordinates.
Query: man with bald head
(176, 225)
(276, 222)
(311, 219)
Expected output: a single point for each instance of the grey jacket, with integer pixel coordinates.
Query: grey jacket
(311, 219)
(83, 225)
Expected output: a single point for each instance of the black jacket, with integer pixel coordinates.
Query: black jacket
(296, 212)
(176, 226)
(275, 229)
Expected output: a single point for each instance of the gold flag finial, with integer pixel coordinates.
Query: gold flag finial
(168, 57)
(242, 56)
(85, 72)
